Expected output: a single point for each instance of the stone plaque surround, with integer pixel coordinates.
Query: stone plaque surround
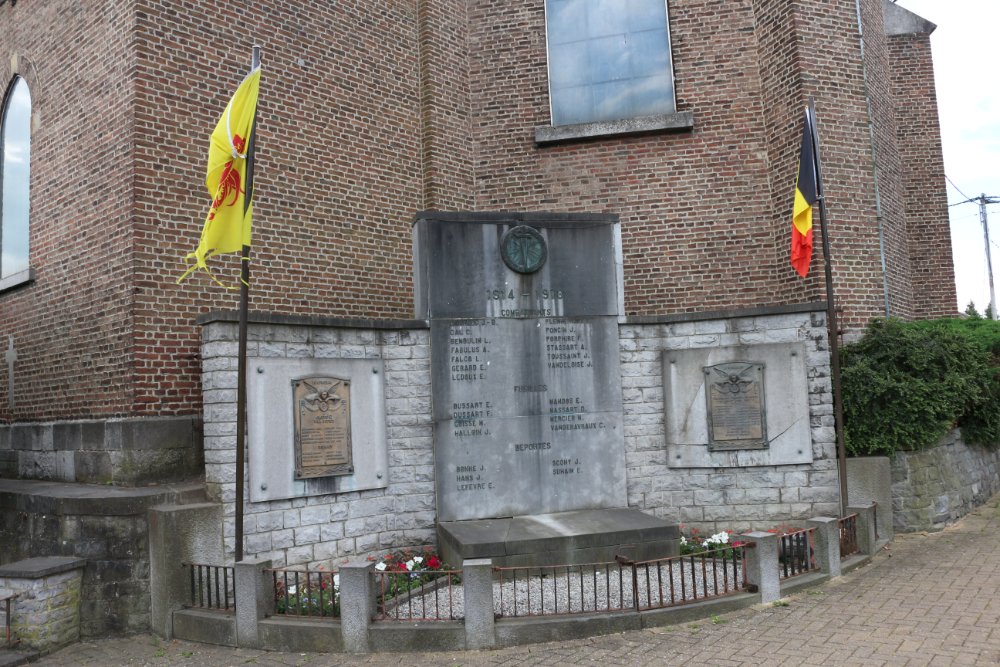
(271, 432)
(783, 386)
(527, 407)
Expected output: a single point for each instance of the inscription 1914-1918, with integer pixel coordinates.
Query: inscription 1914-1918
(736, 415)
(322, 427)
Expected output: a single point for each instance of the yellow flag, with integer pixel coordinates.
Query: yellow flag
(227, 227)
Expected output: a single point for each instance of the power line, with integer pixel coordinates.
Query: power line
(967, 197)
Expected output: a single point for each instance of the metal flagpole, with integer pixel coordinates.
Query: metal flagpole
(241, 376)
(831, 317)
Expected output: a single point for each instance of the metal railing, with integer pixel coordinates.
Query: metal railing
(562, 589)
(5, 603)
(616, 587)
(797, 553)
(418, 596)
(849, 535)
(314, 593)
(212, 586)
(668, 582)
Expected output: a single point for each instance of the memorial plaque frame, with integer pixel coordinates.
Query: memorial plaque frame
(322, 426)
(735, 406)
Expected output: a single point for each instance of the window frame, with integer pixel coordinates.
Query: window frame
(672, 121)
(26, 275)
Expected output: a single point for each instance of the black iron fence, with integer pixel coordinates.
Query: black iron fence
(849, 535)
(212, 586)
(314, 593)
(797, 553)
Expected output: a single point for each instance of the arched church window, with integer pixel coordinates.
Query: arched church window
(15, 172)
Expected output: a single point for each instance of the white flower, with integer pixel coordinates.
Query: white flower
(409, 565)
(684, 540)
(380, 567)
(418, 559)
(336, 581)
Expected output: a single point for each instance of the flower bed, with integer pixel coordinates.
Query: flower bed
(306, 592)
(415, 585)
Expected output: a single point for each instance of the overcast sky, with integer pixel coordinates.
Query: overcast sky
(968, 91)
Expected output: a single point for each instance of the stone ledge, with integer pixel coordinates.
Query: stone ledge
(233, 316)
(68, 498)
(762, 311)
(679, 121)
(44, 566)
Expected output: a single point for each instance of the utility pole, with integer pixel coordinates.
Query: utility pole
(983, 200)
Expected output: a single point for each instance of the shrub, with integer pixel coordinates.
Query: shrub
(905, 384)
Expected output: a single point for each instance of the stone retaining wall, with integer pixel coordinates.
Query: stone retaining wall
(934, 487)
(104, 525)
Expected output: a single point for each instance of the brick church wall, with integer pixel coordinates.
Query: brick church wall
(72, 327)
(923, 177)
(373, 111)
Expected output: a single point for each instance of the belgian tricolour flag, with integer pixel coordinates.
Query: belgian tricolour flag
(806, 190)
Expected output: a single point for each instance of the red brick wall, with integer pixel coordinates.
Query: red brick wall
(885, 160)
(923, 182)
(73, 327)
(338, 173)
(705, 215)
(373, 110)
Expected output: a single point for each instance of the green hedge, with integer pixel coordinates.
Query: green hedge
(906, 384)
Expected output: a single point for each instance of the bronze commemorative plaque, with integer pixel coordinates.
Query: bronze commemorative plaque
(736, 413)
(322, 427)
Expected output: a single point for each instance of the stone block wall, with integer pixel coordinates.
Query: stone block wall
(738, 499)
(335, 526)
(934, 487)
(103, 525)
(122, 452)
(45, 614)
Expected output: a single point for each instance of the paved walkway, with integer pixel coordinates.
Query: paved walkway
(934, 600)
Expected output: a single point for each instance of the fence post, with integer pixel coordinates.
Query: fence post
(357, 605)
(254, 592)
(827, 543)
(762, 564)
(866, 527)
(477, 587)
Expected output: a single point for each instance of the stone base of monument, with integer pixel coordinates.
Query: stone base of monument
(564, 538)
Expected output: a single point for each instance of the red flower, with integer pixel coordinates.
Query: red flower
(433, 563)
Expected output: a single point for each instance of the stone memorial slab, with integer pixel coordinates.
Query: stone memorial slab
(737, 406)
(525, 362)
(315, 426)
